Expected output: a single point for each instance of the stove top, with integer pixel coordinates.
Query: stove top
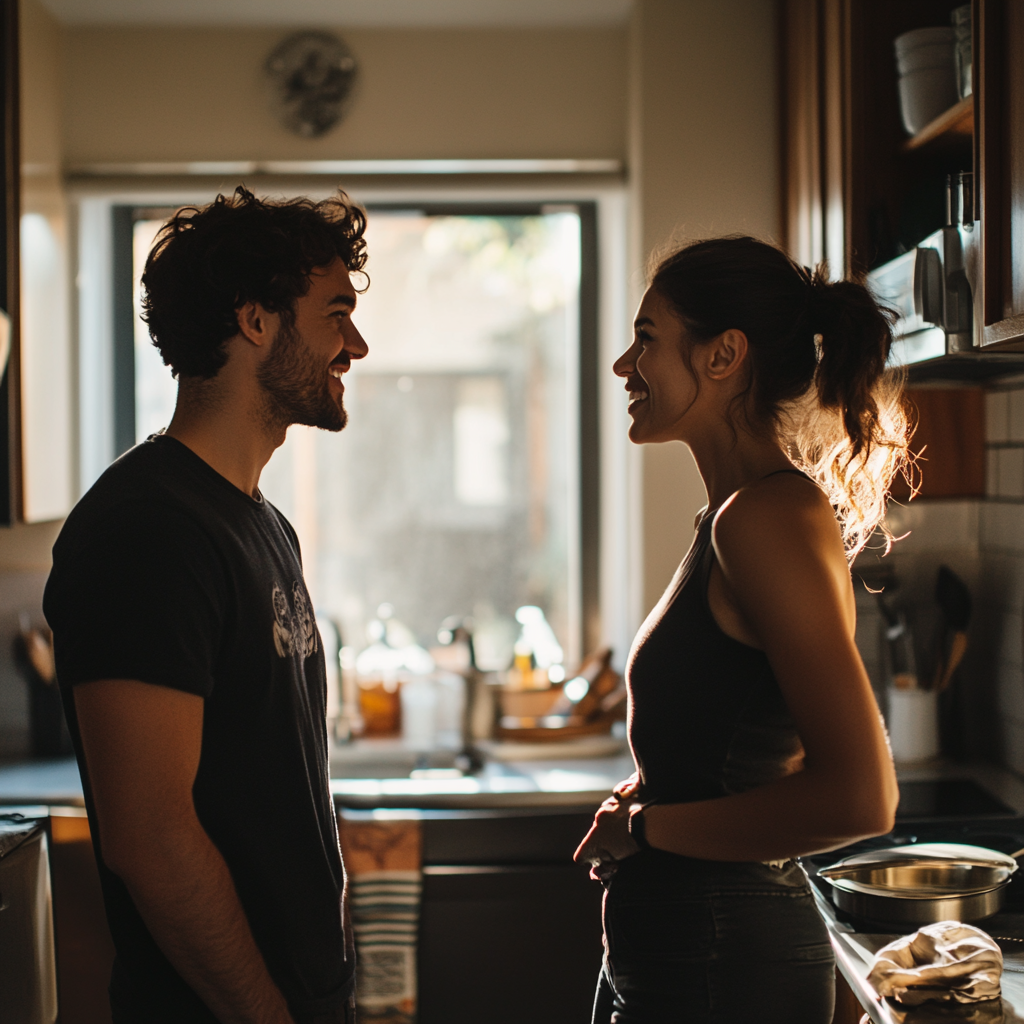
(947, 798)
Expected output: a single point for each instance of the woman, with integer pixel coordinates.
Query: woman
(752, 721)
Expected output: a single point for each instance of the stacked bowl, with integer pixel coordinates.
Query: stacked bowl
(925, 59)
(960, 19)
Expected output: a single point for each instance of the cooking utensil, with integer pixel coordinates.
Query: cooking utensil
(909, 886)
(954, 599)
(902, 662)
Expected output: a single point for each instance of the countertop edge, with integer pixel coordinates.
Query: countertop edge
(851, 965)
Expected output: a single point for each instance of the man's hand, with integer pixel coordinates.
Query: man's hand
(142, 746)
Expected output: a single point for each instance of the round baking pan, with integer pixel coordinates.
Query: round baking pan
(909, 886)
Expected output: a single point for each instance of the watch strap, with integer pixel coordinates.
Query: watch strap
(636, 827)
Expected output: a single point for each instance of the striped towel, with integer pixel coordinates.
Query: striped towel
(382, 859)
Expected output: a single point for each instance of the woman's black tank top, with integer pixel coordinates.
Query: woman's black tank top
(707, 717)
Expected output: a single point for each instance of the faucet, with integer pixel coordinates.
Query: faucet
(459, 631)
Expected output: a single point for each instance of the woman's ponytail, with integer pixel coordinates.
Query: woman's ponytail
(818, 353)
(853, 335)
(856, 440)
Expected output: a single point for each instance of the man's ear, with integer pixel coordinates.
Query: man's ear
(255, 324)
(726, 354)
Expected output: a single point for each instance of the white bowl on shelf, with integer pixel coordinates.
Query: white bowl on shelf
(926, 94)
(923, 37)
(934, 55)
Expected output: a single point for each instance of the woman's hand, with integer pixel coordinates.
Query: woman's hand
(628, 788)
(609, 840)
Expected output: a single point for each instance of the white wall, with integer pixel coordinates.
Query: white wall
(704, 160)
(147, 94)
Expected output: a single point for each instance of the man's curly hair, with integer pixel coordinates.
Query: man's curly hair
(210, 261)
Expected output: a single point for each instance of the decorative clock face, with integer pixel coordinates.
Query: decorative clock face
(311, 76)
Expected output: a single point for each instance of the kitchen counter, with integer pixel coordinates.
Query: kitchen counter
(557, 783)
(54, 782)
(385, 775)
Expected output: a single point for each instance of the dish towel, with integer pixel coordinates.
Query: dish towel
(383, 860)
(944, 962)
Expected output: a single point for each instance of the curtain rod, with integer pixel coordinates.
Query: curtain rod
(343, 167)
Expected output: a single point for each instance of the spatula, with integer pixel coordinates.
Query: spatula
(954, 599)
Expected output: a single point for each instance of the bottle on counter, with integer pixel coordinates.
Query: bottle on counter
(392, 660)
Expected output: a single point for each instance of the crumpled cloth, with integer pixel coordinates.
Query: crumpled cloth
(992, 1011)
(943, 962)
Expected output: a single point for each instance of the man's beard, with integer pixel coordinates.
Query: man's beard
(296, 386)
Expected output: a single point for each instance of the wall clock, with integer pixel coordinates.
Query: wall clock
(311, 76)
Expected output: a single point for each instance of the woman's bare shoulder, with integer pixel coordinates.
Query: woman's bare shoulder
(777, 513)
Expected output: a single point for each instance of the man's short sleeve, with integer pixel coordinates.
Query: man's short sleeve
(141, 597)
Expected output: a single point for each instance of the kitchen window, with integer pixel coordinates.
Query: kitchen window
(466, 482)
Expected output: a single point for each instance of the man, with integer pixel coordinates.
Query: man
(190, 665)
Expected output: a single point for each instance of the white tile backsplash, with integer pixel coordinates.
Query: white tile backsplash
(1010, 691)
(1012, 736)
(1011, 472)
(997, 415)
(992, 678)
(1009, 648)
(1016, 418)
(1001, 582)
(1001, 526)
(934, 525)
(992, 472)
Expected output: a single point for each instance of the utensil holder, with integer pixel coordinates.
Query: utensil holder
(913, 722)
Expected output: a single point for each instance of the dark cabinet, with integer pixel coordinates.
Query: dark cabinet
(999, 159)
(508, 943)
(510, 928)
(859, 191)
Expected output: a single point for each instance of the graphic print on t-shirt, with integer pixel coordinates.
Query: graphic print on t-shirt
(294, 625)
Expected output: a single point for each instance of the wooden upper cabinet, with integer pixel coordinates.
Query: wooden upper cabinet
(999, 155)
(858, 191)
(816, 125)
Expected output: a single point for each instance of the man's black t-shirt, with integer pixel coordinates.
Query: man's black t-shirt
(167, 573)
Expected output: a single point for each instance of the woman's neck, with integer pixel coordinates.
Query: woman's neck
(729, 462)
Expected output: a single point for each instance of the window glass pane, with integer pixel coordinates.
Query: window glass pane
(155, 388)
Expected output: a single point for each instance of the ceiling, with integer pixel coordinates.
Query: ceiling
(353, 13)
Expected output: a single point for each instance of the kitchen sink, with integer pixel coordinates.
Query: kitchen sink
(393, 759)
(386, 759)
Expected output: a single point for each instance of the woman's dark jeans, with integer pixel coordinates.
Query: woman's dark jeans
(706, 942)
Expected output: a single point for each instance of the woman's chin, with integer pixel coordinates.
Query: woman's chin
(638, 435)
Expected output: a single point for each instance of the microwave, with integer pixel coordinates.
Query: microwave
(929, 290)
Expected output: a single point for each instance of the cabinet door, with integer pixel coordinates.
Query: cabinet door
(999, 56)
(816, 39)
(505, 944)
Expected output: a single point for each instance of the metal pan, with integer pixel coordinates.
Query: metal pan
(909, 886)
